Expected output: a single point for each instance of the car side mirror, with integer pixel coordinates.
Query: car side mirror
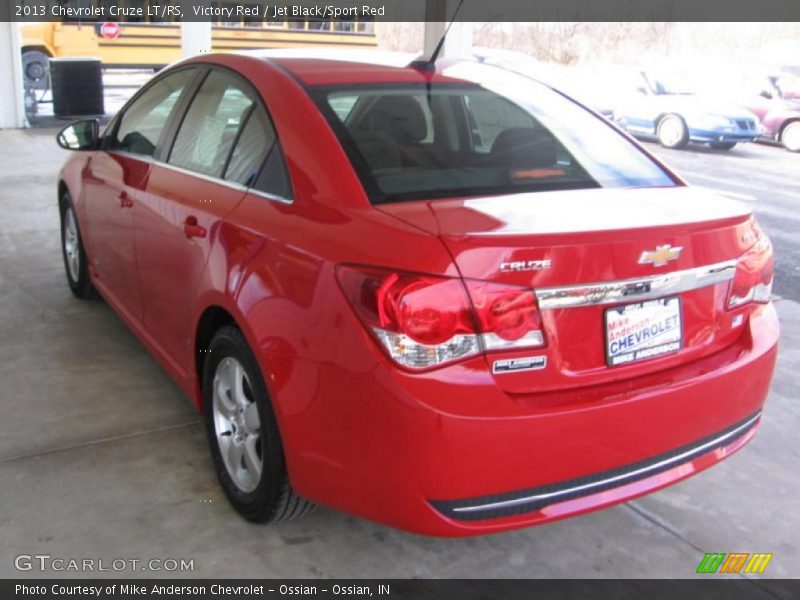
(766, 94)
(641, 90)
(81, 135)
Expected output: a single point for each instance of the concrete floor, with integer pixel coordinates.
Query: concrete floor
(102, 457)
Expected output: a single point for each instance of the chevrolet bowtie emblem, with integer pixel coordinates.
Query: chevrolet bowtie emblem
(660, 256)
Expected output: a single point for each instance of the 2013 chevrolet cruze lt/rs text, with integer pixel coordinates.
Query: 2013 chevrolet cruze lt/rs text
(450, 300)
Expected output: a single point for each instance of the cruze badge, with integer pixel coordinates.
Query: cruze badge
(660, 256)
(525, 265)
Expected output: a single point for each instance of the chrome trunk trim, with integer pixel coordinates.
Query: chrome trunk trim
(633, 290)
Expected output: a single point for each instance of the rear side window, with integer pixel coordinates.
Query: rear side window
(413, 141)
(211, 126)
(228, 134)
(143, 121)
(255, 141)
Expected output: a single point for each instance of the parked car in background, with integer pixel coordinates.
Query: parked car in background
(566, 80)
(788, 84)
(776, 103)
(667, 108)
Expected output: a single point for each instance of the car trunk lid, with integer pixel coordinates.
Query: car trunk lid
(604, 264)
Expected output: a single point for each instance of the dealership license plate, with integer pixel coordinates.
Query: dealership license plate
(641, 331)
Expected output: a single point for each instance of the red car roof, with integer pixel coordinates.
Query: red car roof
(316, 71)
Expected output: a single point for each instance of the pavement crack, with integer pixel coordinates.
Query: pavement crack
(662, 524)
(100, 441)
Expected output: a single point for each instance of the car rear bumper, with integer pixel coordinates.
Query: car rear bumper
(448, 453)
(533, 500)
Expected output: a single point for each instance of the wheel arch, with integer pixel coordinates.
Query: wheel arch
(62, 189)
(659, 118)
(211, 320)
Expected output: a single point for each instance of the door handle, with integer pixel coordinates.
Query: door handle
(125, 201)
(191, 229)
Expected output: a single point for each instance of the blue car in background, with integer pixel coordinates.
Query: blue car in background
(656, 107)
(637, 100)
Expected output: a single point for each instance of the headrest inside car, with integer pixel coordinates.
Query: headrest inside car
(400, 117)
(524, 147)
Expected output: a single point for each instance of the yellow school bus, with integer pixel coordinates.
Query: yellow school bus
(144, 44)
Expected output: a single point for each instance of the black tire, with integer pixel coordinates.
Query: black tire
(77, 278)
(722, 145)
(672, 132)
(272, 499)
(36, 69)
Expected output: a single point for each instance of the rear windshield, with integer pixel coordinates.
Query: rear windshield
(414, 141)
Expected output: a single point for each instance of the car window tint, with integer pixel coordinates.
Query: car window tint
(343, 105)
(491, 115)
(144, 120)
(255, 141)
(412, 141)
(212, 124)
(274, 178)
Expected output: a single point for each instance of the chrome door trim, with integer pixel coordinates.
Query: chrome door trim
(216, 180)
(632, 290)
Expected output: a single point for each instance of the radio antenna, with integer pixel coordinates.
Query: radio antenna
(430, 64)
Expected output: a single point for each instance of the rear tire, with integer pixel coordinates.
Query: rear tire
(722, 145)
(243, 434)
(76, 265)
(790, 136)
(672, 132)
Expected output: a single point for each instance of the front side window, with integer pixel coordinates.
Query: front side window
(143, 121)
(417, 141)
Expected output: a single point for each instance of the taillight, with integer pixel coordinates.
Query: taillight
(753, 279)
(423, 321)
(508, 316)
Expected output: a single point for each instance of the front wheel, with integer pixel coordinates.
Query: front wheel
(672, 132)
(243, 433)
(74, 253)
(722, 145)
(790, 137)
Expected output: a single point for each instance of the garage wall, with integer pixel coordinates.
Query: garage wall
(12, 106)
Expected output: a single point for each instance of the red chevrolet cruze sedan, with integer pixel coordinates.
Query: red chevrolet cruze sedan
(447, 299)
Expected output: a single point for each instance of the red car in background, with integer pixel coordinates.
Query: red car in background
(777, 107)
(443, 297)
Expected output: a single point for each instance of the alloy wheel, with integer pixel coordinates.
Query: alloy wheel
(71, 244)
(237, 424)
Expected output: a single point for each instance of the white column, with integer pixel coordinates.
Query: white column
(12, 103)
(195, 38)
(459, 41)
(433, 33)
(459, 38)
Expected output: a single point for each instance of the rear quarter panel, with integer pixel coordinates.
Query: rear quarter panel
(272, 267)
